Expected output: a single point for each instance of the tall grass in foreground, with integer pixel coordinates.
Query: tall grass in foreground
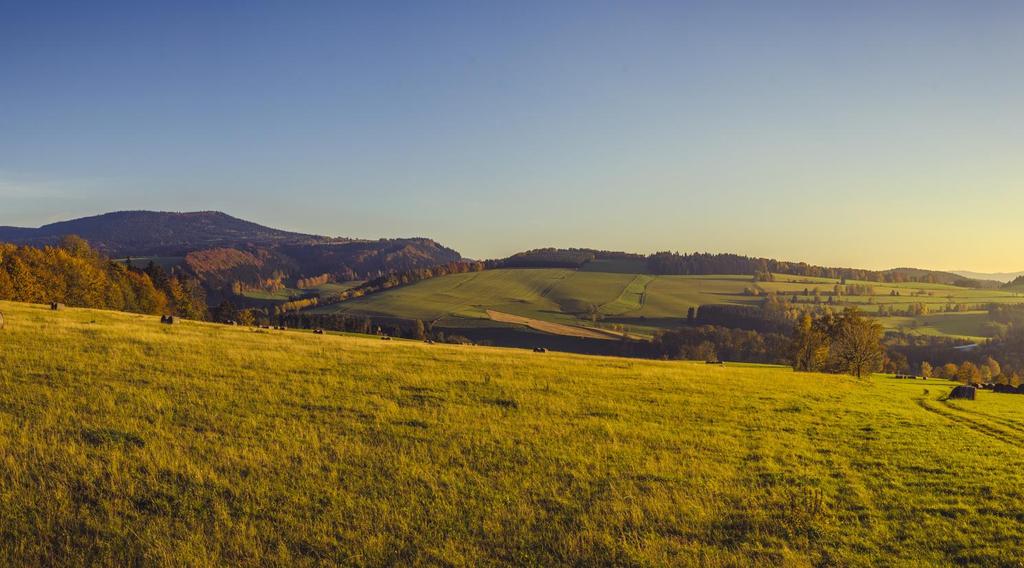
(123, 441)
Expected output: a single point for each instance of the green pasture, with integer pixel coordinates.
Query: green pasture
(644, 303)
(128, 442)
(968, 325)
(284, 294)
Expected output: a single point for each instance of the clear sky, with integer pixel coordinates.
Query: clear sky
(857, 133)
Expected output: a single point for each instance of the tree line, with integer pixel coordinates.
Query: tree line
(697, 263)
(959, 359)
(707, 263)
(74, 274)
(562, 258)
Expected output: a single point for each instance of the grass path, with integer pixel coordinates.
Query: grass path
(1002, 430)
(974, 425)
(552, 328)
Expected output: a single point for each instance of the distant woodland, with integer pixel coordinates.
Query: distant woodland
(74, 274)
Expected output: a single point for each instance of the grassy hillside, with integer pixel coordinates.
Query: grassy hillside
(285, 294)
(643, 303)
(124, 441)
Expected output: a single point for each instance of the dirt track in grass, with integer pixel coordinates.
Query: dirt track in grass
(553, 328)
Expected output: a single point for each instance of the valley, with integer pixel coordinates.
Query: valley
(642, 304)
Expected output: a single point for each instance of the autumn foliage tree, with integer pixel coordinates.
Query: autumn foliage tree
(73, 273)
(857, 345)
(846, 343)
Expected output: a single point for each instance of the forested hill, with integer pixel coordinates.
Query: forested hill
(140, 233)
(222, 250)
(709, 263)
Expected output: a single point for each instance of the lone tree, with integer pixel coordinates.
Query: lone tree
(848, 343)
(857, 344)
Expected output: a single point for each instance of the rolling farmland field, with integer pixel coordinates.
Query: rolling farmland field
(640, 304)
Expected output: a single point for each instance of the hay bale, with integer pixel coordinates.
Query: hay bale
(539, 350)
(1007, 389)
(169, 320)
(56, 306)
(318, 331)
(963, 392)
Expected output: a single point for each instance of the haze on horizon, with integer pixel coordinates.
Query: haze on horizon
(871, 135)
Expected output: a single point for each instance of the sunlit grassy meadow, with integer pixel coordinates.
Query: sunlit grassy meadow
(124, 441)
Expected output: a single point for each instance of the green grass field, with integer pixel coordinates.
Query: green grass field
(645, 303)
(968, 325)
(284, 294)
(127, 442)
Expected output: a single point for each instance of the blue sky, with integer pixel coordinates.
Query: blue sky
(870, 134)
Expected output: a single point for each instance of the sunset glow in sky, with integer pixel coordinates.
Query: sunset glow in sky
(870, 135)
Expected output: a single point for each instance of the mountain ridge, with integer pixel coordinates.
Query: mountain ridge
(144, 232)
(222, 250)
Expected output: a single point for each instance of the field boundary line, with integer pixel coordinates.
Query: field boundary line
(643, 295)
(547, 290)
(621, 295)
(470, 279)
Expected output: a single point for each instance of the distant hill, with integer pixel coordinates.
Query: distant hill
(941, 277)
(142, 233)
(666, 263)
(1003, 277)
(222, 250)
